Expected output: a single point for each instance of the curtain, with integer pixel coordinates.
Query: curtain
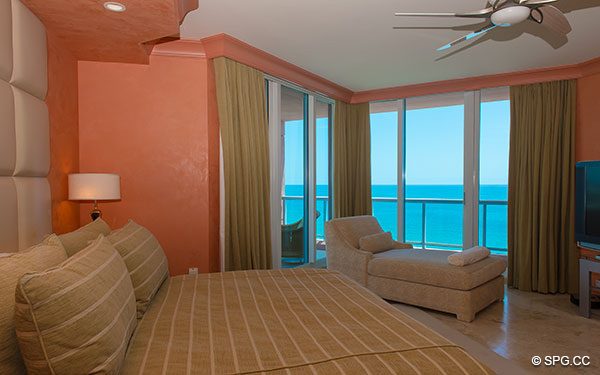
(542, 255)
(241, 99)
(352, 160)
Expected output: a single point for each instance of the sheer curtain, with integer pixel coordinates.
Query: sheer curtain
(241, 98)
(542, 255)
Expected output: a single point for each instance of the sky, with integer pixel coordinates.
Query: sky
(434, 147)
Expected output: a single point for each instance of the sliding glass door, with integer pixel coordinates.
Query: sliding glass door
(434, 175)
(300, 126)
(294, 125)
(440, 169)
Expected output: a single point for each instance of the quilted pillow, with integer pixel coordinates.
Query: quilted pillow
(12, 266)
(77, 318)
(145, 260)
(79, 239)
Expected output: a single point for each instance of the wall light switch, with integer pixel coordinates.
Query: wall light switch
(193, 271)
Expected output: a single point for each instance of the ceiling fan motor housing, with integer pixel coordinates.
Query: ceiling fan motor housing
(510, 15)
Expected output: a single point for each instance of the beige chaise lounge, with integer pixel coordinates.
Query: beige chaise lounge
(416, 277)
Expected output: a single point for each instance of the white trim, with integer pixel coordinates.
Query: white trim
(401, 147)
(275, 178)
(312, 180)
(472, 113)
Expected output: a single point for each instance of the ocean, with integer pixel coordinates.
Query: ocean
(444, 221)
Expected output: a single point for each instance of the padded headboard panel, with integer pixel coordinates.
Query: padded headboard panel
(25, 203)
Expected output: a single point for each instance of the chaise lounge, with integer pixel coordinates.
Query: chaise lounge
(413, 276)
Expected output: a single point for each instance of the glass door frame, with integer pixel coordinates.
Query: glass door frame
(274, 86)
(471, 183)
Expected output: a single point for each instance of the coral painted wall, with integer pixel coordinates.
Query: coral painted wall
(153, 125)
(588, 118)
(64, 133)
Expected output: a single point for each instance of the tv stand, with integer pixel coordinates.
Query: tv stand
(586, 267)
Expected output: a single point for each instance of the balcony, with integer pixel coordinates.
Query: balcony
(430, 223)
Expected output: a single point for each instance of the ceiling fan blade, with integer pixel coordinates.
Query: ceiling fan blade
(554, 19)
(537, 2)
(483, 13)
(467, 37)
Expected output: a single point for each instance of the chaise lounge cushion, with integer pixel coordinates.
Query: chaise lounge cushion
(431, 267)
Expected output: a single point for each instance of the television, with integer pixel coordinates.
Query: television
(587, 203)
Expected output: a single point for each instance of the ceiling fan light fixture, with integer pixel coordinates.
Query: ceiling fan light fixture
(511, 15)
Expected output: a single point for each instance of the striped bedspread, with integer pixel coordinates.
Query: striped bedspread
(302, 321)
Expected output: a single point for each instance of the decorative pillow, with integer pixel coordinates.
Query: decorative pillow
(469, 256)
(376, 243)
(12, 266)
(79, 239)
(77, 318)
(145, 260)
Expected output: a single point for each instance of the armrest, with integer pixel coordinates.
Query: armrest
(402, 245)
(346, 259)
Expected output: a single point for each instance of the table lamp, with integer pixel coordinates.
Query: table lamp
(94, 187)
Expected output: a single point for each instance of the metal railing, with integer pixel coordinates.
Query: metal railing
(322, 206)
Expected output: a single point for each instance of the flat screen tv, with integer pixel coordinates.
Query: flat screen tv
(587, 203)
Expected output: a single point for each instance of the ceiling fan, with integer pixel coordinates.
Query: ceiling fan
(506, 13)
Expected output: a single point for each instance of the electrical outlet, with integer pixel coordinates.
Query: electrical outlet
(193, 271)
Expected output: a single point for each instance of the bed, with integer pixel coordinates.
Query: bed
(284, 321)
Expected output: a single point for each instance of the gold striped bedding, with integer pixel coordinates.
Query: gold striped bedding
(301, 321)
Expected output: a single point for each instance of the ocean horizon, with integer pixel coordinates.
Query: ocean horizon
(444, 224)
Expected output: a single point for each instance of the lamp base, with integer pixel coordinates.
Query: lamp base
(96, 213)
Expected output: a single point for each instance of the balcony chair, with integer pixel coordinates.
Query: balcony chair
(415, 277)
(292, 241)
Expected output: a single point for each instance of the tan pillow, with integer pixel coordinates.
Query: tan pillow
(79, 239)
(12, 266)
(376, 243)
(145, 260)
(77, 318)
(469, 256)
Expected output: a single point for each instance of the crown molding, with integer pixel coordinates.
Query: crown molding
(223, 45)
(180, 48)
(590, 67)
(472, 83)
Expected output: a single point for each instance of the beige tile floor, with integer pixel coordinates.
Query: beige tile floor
(528, 324)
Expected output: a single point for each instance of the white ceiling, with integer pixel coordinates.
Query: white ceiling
(352, 43)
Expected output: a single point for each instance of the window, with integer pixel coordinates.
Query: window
(425, 155)
(384, 164)
(434, 171)
(299, 150)
(493, 167)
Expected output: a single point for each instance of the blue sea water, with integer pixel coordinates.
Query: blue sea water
(444, 221)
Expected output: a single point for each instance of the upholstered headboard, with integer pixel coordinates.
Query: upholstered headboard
(25, 204)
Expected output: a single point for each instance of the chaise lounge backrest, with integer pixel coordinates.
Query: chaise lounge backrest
(342, 239)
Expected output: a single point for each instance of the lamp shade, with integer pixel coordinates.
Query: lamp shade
(94, 187)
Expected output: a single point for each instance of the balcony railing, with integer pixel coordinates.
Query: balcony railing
(425, 208)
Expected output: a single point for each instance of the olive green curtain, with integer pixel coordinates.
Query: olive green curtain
(542, 255)
(241, 98)
(352, 160)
